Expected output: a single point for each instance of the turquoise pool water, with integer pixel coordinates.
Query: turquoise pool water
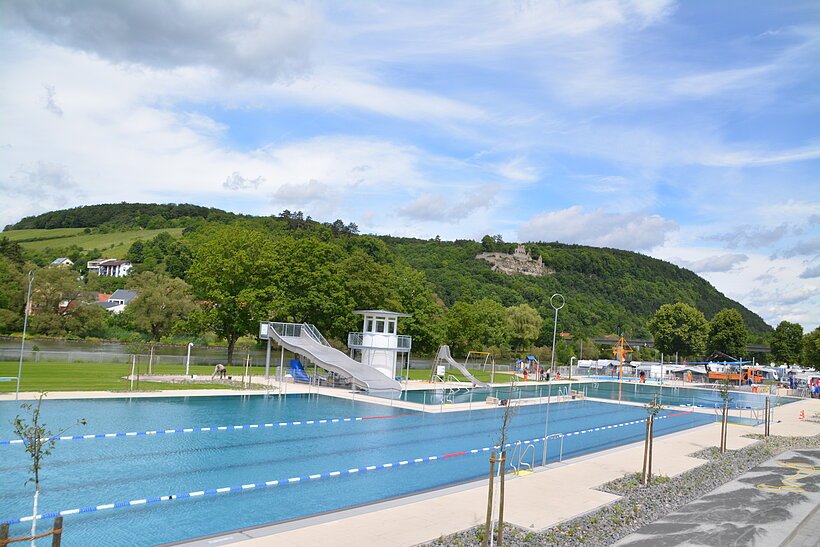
(93, 472)
(632, 392)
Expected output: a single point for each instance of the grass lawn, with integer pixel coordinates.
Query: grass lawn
(121, 241)
(481, 375)
(38, 234)
(93, 377)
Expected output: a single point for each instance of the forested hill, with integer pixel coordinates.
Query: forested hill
(607, 291)
(122, 216)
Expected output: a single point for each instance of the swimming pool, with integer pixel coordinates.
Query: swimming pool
(632, 392)
(99, 471)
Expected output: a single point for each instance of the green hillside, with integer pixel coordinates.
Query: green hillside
(607, 291)
(115, 244)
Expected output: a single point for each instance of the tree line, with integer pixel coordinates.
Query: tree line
(288, 267)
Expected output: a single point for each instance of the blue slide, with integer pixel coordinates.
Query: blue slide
(298, 371)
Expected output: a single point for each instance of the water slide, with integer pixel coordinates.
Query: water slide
(444, 356)
(306, 340)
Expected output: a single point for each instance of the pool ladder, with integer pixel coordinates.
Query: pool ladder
(517, 466)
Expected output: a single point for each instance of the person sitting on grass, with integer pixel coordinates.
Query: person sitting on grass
(220, 370)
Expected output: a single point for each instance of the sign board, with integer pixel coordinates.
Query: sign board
(440, 370)
(263, 330)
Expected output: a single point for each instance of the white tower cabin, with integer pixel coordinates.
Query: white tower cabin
(379, 341)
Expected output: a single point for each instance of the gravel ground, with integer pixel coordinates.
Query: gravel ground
(643, 505)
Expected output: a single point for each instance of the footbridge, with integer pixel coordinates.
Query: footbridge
(306, 340)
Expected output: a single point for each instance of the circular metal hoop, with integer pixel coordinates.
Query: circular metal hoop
(553, 304)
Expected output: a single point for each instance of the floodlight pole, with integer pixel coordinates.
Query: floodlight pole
(23, 341)
(552, 368)
(188, 358)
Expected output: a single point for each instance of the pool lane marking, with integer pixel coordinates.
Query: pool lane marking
(306, 478)
(214, 428)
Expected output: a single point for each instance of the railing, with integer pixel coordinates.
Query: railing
(314, 333)
(356, 340)
(287, 329)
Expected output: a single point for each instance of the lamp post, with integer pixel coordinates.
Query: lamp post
(553, 303)
(188, 358)
(23, 342)
(555, 326)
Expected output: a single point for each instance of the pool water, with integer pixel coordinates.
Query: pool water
(631, 392)
(88, 473)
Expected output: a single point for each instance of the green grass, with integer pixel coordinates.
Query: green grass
(38, 234)
(121, 241)
(94, 377)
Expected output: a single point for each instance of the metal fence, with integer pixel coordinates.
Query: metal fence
(31, 356)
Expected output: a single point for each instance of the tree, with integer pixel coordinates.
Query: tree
(679, 328)
(525, 324)
(162, 302)
(727, 333)
(232, 274)
(787, 343)
(652, 409)
(38, 441)
(60, 306)
(12, 295)
(811, 349)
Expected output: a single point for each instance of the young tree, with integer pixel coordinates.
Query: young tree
(232, 273)
(652, 409)
(38, 442)
(787, 343)
(162, 302)
(724, 422)
(727, 333)
(679, 328)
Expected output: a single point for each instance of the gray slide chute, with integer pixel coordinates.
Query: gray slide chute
(304, 339)
(444, 356)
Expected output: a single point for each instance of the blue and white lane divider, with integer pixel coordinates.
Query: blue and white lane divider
(317, 476)
(215, 428)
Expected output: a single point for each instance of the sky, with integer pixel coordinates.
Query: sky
(687, 131)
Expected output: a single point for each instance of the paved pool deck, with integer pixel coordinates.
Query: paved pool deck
(552, 494)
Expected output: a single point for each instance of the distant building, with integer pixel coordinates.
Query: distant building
(110, 267)
(118, 301)
(61, 262)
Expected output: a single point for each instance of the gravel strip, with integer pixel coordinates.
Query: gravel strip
(643, 505)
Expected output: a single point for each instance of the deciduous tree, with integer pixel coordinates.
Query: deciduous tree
(787, 343)
(679, 328)
(232, 273)
(727, 333)
(525, 324)
(162, 302)
(811, 349)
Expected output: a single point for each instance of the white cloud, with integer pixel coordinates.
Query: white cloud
(751, 236)
(811, 272)
(438, 208)
(717, 263)
(51, 100)
(235, 181)
(631, 231)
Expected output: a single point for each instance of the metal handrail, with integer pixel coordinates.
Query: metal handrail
(404, 343)
(314, 333)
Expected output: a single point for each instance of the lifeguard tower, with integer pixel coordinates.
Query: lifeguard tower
(379, 342)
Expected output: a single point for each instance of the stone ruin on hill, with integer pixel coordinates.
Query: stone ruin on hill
(520, 262)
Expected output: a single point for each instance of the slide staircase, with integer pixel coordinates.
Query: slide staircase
(444, 356)
(306, 340)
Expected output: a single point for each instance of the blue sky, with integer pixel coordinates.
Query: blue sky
(683, 130)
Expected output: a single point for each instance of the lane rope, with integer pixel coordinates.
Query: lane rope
(306, 478)
(199, 429)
